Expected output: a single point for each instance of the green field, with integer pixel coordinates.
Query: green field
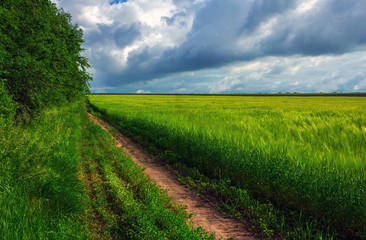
(301, 153)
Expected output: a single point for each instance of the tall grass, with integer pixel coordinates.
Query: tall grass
(138, 209)
(48, 189)
(40, 195)
(306, 154)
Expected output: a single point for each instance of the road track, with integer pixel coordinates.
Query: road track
(204, 213)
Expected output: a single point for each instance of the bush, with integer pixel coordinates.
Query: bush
(42, 59)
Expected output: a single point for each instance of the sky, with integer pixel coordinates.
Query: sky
(223, 46)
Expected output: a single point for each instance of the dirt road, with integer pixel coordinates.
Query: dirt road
(204, 212)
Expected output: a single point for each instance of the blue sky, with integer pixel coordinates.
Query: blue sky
(216, 46)
(116, 1)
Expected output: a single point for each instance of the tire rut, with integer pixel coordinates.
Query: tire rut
(204, 213)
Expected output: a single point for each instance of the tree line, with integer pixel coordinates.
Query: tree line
(40, 57)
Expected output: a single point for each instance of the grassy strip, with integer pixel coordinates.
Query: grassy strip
(62, 177)
(272, 177)
(137, 208)
(40, 194)
(99, 217)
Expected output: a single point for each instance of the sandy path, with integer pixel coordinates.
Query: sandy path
(204, 212)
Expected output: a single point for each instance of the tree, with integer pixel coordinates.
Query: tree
(40, 55)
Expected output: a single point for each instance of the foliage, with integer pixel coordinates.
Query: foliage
(40, 55)
(7, 106)
(304, 154)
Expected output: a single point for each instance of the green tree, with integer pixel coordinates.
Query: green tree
(7, 106)
(41, 55)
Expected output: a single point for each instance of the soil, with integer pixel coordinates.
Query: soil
(204, 213)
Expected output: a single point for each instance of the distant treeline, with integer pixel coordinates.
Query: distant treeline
(40, 57)
(357, 94)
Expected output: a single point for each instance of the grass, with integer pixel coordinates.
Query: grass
(128, 204)
(302, 154)
(40, 195)
(62, 177)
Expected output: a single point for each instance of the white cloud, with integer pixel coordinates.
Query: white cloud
(291, 74)
(306, 6)
(143, 91)
(223, 46)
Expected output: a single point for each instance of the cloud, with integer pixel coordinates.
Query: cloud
(280, 29)
(296, 74)
(327, 27)
(358, 83)
(262, 11)
(143, 91)
(137, 43)
(118, 34)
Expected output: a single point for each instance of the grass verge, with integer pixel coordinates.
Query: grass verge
(62, 177)
(40, 194)
(125, 201)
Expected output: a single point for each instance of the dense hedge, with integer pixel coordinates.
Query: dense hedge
(40, 56)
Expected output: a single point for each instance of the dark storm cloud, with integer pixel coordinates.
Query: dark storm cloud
(119, 34)
(262, 10)
(208, 44)
(333, 27)
(317, 45)
(330, 27)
